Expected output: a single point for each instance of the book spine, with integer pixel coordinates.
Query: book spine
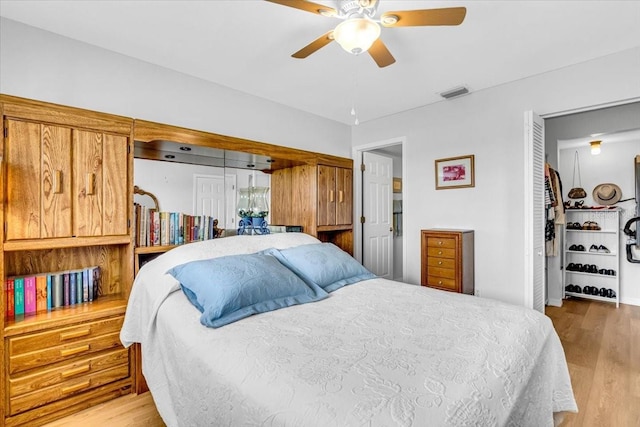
(29, 295)
(49, 291)
(65, 289)
(164, 228)
(18, 293)
(10, 299)
(72, 288)
(172, 228)
(41, 292)
(156, 228)
(58, 290)
(181, 229)
(85, 285)
(79, 287)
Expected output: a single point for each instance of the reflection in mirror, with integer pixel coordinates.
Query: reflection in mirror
(195, 181)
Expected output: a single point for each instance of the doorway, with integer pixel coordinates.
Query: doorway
(393, 149)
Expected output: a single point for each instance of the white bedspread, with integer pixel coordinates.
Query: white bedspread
(376, 353)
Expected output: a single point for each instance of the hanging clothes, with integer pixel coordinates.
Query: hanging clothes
(554, 204)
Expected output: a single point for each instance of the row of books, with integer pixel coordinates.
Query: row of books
(153, 228)
(47, 291)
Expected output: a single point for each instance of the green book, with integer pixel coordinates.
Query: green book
(18, 294)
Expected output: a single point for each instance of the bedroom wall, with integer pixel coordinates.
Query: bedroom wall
(489, 124)
(41, 65)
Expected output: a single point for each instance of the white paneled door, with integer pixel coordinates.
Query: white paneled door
(209, 196)
(534, 211)
(377, 209)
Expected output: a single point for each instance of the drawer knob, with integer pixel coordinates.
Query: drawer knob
(439, 262)
(76, 371)
(439, 252)
(75, 350)
(75, 387)
(74, 334)
(439, 242)
(439, 282)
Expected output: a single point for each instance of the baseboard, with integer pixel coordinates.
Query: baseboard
(555, 302)
(630, 301)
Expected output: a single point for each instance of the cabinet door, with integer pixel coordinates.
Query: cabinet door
(38, 180)
(115, 165)
(344, 187)
(56, 181)
(87, 183)
(326, 195)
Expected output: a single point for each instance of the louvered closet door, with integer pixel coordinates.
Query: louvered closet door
(534, 212)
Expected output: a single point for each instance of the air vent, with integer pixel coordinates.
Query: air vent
(455, 92)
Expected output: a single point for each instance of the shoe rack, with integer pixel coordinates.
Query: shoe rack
(591, 254)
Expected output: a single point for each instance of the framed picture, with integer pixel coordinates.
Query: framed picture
(397, 185)
(455, 172)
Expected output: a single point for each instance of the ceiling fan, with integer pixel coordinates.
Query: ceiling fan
(359, 30)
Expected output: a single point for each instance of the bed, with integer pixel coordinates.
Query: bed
(372, 353)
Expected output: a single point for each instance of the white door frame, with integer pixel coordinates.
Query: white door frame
(357, 191)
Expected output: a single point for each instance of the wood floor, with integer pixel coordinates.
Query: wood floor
(601, 343)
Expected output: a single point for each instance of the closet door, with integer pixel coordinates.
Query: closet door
(534, 289)
(326, 195)
(344, 187)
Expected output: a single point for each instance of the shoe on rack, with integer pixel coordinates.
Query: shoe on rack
(603, 249)
(593, 248)
(573, 247)
(580, 248)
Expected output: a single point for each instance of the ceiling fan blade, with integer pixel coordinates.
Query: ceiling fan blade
(381, 54)
(318, 43)
(417, 18)
(307, 6)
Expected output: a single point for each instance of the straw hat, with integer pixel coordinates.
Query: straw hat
(607, 194)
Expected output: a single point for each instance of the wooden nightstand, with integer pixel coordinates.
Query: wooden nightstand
(447, 260)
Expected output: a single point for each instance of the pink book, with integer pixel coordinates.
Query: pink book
(29, 294)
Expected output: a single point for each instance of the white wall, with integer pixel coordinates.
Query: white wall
(44, 66)
(489, 124)
(614, 164)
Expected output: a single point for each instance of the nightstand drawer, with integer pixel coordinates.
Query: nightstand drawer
(65, 389)
(441, 252)
(51, 338)
(441, 262)
(441, 282)
(21, 384)
(441, 242)
(35, 359)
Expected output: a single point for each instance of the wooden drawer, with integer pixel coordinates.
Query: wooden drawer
(448, 273)
(51, 338)
(441, 282)
(67, 388)
(56, 374)
(441, 242)
(441, 262)
(441, 252)
(35, 359)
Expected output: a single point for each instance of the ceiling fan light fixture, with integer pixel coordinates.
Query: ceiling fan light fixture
(356, 35)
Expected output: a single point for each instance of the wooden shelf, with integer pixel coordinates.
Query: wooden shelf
(155, 249)
(67, 242)
(108, 305)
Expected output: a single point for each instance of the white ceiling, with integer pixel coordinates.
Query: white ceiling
(247, 45)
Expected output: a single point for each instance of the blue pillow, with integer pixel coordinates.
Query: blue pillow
(322, 264)
(230, 288)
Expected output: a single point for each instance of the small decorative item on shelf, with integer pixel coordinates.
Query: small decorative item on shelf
(253, 209)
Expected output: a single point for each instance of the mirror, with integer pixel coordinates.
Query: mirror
(198, 180)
